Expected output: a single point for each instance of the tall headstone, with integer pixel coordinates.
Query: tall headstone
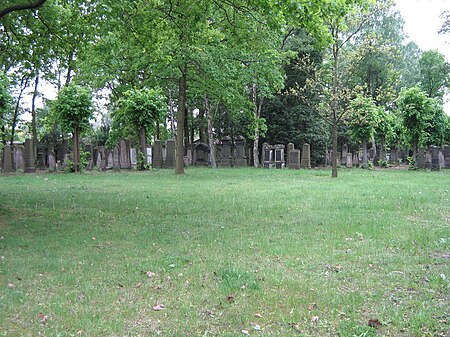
(420, 163)
(279, 156)
(446, 153)
(201, 154)
(355, 160)
(64, 149)
(289, 148)
(41, 156)
(133, 157)
(240, 157)
(29, 157)
(89, 149)
(7, 159)
(157, 160)
(267, 155)
(170, 153)
(116, 158)
(306, 156)
(18, 162)
(51, 162)
(441, 160)
(294, 159)
(349, 161)
(148, 153)
(102, 158)
(435, 158)
(225, 153)
(344, 154)
(109, 160)
(125, 161)
(393, 156)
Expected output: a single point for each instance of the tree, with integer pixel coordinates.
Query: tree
(5, 105)
(73, 108)
(363, 119)
(435, 73)
(139, 111)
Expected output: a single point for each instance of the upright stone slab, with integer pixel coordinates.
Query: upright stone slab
(289, 148)
(157, 160)
(225, 153)
(306, 156)
(109, 160)
(7, 159)
(338, 159)
(267, 156)
(344, 155)
(90, 156)
(279, 156)
(355, 160)
(148, 153)
(51, 162)
(393, 156)
(125, 161)
(435, 158)
(441, 160)
(102, 158)
(420, 162)
(446, 152)
(349, 161)
(240, 157)
(41, 157)
(133, 157)
(116, 158)
(28, 156)
(170, 153)
(294, 159)
(18, 162)
(428, 159)
(62, 153)
(201, 154)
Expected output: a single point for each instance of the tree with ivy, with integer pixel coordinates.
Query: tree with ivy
(139, 111)
(363, 120)
(73, 108)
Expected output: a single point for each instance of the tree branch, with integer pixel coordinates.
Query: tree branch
(20, 7)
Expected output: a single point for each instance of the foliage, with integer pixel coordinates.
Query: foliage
(5, 101)
(435, 73)
(363, 118)
(73, 107)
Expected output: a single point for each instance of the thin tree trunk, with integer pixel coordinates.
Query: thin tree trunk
(335, 106)
(364, 149)
(171, 116)
(212, 148)
(76, 149)
(33, 117)
(382, 148)
(334, 172)
(143, 146)
(186, 132)
(23, 86)
(201, 128)
(69, 67)
(158, 130)
(258, 108)
(180, 126)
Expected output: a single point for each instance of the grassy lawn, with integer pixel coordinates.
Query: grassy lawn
(225, 252)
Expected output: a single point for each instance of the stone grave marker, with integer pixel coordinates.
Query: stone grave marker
(201, 154)
(349, 161)
(267, 155)
(19, 162)
(279, 156)
(125, 161)
(7, 159)
(170, 154)
(157, 160)
(240, 157)
(29, 157)
(225, 153)
(420, 163)
(116, 158)
(344, 155)
(306, 156)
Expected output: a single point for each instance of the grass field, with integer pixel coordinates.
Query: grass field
(225, 252)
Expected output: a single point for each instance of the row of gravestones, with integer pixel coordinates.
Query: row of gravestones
(273, 156)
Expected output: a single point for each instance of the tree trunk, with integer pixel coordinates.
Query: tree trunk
(76, 149)
(69, 67)
(382, 148)
(415, 142)
(158, 130)
(180, 126)
(334, 149)
(257, 115)
(364, 148)
(171, 116)
(186, 131)
(33, 117)
(201, 127)
(212, 148)
(23, 86)
(142, 148)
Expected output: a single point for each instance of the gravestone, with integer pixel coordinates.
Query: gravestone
(240, 157)
(355, 160)
(102, 158)
(393, 156)
(446, 153)
(187, 159)
(63, 152)
(441, 160)
(338, 159)
(110, 160)
(306, 156)
(170, 153)
(201, 154)
(225, 153)
(279, 156)
(428, 159)
(267, 155)
(51, 162)
(344, 154)
(148, 154)
(289, 148)
(435, 158)
(7, 159)
(125, 161)
(18, 162)
(28, 156)
(420, 162)
(294, 159)
(349, 161)
(90, 156)
(116, 158)
(41, 156)
(157, 160)
(133, 157)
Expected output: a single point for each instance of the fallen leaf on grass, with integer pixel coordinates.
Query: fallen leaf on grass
(11, 285)
(374, 323)
(150, 274)
(138, 285)
(315, 319)
(43, 318)
(159, 307)
(295, 326)
(230, 298)
(245, 332)
(258, 315)
(312, 306)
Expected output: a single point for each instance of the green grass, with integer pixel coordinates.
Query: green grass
(230, 250)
